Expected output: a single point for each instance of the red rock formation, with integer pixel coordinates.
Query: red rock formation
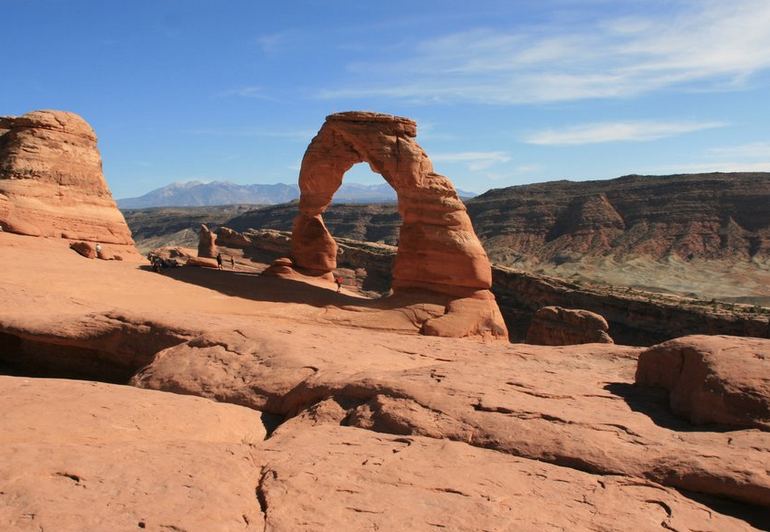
(51, 182)
(574, 406)
(564, 326)
(87, 249)
(93, 456)
(438, 249)
(707, 216)
(201, 262)
(712, 379)
(207, 243)
(171, 256)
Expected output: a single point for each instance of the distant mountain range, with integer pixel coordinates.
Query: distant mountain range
(200, 194)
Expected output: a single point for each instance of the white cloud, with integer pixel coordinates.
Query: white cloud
(754, 150)
(616, 131)
(703, 45)
(474, 160)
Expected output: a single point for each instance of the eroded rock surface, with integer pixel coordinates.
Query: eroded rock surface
(377, 481)
(91, 456)
(562, 326)
(190, 464)
(712, 379)
(51, 182)
(574, 406)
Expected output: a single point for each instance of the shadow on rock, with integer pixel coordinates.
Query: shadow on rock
(272, 289)
(653, 402)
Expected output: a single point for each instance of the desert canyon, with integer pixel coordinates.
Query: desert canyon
(262, 396)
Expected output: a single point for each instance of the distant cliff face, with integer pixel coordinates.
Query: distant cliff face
(705, 216)
(371, 223)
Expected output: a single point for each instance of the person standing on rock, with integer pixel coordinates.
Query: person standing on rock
(232, 263)
(98, 250)
(338, 280)
(219, 261)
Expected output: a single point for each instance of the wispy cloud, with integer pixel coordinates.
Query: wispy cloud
(251, 91)
(474, 160)
(616, 131)
(697, 45)
(753, 150)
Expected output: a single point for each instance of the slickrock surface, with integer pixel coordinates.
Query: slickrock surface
(563, 326)
(51, 182)
(522, 426)
(207, 242)
(416, 483)
(437, 250)
(712, 379)
(91, 456)
(573, 406)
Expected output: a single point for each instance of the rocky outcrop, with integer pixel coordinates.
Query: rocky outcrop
(437, 251)
(707, 216)
(712, 379)
(171, 256)
(562, 326)
(201, 262)
(51, 182)
(86, 249)
(207, 243)
(91, 250)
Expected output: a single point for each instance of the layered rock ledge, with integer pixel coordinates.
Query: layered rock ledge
(51, 182)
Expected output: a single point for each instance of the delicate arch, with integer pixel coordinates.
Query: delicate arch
(438, 249)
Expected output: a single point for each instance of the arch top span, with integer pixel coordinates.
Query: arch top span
(438, 249)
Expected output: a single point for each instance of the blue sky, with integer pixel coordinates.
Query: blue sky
(504, 93)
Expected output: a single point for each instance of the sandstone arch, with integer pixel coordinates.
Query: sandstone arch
(438, 249)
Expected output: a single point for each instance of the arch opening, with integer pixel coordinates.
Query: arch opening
(438, 250)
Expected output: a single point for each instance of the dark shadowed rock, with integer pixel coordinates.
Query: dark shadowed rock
(563, 326)
(712, 379)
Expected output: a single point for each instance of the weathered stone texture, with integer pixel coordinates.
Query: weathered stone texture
(51, 181)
